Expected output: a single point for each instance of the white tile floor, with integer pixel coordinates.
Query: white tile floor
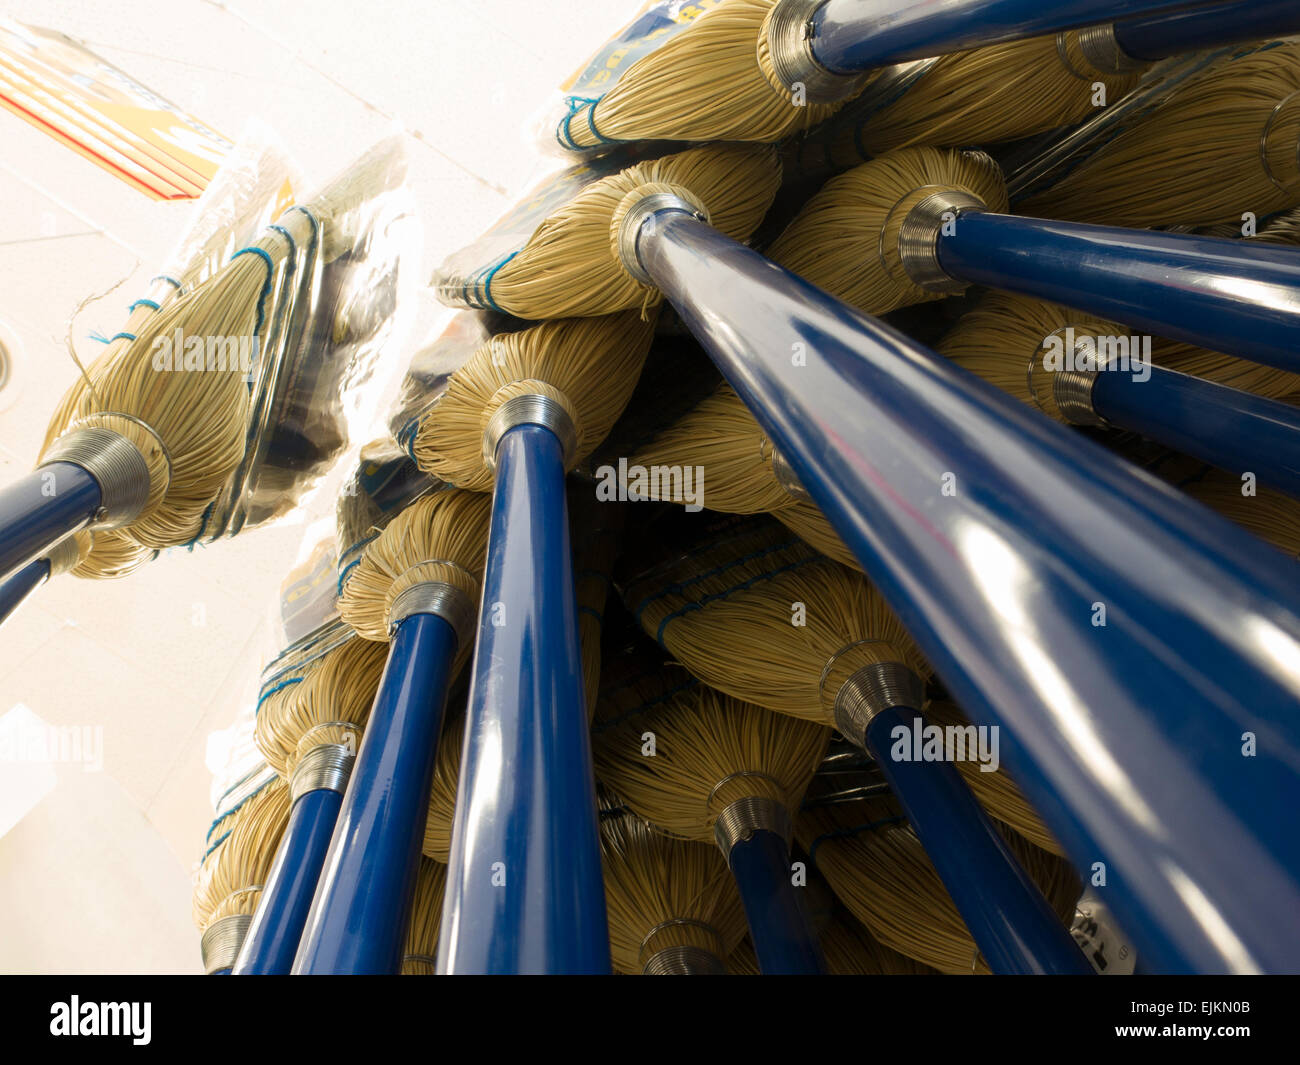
(96, 877)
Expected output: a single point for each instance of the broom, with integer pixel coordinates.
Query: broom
(763, 69)
(722, 771)
(919, 223)
(1222, 145)
(149, 450)
(415, 588)
(563, 267)
(1085, 371)
(1020, 88)
(588, 367)
(242, 843)
(849, 663)
(310, 738)
(426, 918)
(672, 906)
(877, 867)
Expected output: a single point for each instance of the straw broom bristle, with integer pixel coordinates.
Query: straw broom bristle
(419, 957)
(786, 639)
(721, 438)
(662, 893)
(996, 792)
(807, 522)
(441, 538)
(1199, 158)
(1002, 92)
(877, 867)
(590, 366)
(331, 705)
(845, 240)
(1001, 338)
(851, 950)
(442, 794)
(714, 81)
(570, 267)
(107, 554)
(235, 870)
(709, 751)
(1270, 515)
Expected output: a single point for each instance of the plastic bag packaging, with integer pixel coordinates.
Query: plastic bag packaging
(342, 299)
(658, 22)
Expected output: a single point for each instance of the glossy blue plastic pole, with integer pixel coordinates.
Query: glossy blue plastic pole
(1233, 296)
(15, 589)
(1173, 33)
(855, 35)
(362, 905)
(1234, 430)
(783, 937)
(1012, 924)
(524, 889)
(40, 509)
(276, 931)
(1141, 653)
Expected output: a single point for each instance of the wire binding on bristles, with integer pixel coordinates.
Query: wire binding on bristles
(330, 705)
(1004, 339)
(420, 952)
(720, 437)
(441, 538)
(569, 269)
(1001, 92)
(733, 629)
(710, 750)
(1223, 144)
(242, 849)
(662, 893)
(712, 82)
(1270, 515)
(589, 366)
(845, 240)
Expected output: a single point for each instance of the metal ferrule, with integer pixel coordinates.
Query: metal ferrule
(115, 463)
(64, 556)
(629, 230)
(324, 768)
(918, 239)
(746, 816)
(786, 478)
(444, 601)
(1102, 51)
(221, 942)
(794, 62)
(871, 691)
(1072, 391)
(531, 410)
(684, 961)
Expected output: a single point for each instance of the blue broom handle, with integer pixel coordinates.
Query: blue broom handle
(358, 918)
(1173, 33)
(276, 932)
(15, 590)
(1226, 295)
(40, 509)
(783, 937)
(1139, 650)
(1234, 430)
(1012, 924)
(850, 36)
(524, 888)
